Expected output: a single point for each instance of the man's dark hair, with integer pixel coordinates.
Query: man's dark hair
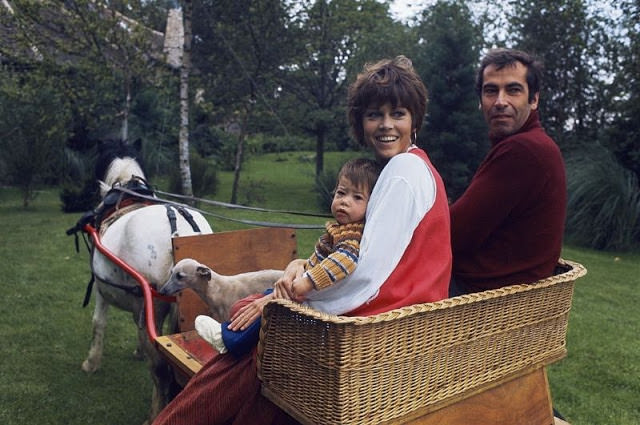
(508, 57)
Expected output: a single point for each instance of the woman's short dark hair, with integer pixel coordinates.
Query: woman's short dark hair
(361, 172)
(508, 57)
(393, 81)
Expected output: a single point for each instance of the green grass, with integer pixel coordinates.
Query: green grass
(46, 332)
(599, 380)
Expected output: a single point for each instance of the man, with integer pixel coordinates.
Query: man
(507, 227)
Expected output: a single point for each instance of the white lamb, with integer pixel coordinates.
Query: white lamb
(219, 292)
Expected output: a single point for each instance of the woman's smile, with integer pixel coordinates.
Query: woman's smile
(387, 130)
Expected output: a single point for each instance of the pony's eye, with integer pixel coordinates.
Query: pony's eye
(180, 275)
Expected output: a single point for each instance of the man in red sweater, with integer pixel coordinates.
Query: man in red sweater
(508, 225)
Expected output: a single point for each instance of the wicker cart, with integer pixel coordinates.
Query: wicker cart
(409, 363)
(476, 359)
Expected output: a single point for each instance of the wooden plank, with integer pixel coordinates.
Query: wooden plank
(522, 401)
(187, 352)
(228, 253)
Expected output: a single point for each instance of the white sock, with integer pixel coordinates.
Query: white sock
(211, 331)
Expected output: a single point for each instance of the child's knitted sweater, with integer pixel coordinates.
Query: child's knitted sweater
(336, 254)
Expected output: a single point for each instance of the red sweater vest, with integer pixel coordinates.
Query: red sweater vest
(424, 271)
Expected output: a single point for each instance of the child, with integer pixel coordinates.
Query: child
(334, 258)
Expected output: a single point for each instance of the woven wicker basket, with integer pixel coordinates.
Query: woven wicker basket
(326, 369)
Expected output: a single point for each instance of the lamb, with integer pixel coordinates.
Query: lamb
(219, 292)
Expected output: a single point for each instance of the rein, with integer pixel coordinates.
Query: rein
(249, 222)
(119, 201)
(137, 193)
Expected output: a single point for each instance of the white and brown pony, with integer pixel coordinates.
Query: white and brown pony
(140, 234)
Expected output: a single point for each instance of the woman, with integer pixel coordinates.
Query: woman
(405, 252)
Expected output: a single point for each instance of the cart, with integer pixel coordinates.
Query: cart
(478, 358)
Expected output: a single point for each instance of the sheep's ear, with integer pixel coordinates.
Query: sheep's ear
(204, 272)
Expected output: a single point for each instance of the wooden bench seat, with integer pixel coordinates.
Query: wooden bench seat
(227, 253)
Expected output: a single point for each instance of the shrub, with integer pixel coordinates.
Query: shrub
(324, 185)
(204, 178)
(604, 202)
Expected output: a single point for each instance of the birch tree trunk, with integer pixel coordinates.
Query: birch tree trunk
(185, 70)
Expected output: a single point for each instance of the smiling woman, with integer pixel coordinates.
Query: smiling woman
(407, 216)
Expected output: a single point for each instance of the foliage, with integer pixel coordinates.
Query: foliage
(324, 187)
(604, 202)
(278, 70)
(334, 39)
(623, 136)
(31, 131)
(203, 175)
(567, 38)
(454, 134)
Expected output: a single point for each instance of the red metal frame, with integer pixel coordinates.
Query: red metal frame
(148, 292)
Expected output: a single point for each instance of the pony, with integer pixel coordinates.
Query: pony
(139, 234)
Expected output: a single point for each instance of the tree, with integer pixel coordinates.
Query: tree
(624, 133)
(185, 72)
(559, 33)
(32, 130)
(454, 133)
(239, 46)
(333, 40)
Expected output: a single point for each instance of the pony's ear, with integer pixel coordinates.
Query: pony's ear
(102, 145)
(204, 272)
(137, 145)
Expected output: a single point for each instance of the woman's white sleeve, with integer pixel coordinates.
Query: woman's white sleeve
(404, 193)
(399, 202)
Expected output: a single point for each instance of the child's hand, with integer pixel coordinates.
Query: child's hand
(300, 288)
(283, 287)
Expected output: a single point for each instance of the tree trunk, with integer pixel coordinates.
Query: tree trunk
(239, 156)
(320, 138)
(185, 69)
(124, 131)
(237, 167)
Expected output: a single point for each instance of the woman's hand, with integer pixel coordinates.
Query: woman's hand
(283, 287)
(249, 313)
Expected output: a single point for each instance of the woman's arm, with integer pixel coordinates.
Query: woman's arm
(404, 193)
(282, 289)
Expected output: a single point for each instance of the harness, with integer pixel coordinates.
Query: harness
(120, 200)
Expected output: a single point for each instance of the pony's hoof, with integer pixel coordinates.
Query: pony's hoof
(138, 354)
(89, 367)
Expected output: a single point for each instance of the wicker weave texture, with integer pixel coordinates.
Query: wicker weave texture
(326, 369)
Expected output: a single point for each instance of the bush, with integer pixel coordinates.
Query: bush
(204, 178)
(604, 202)
(76, 199)
(324, 185)
(262, 143)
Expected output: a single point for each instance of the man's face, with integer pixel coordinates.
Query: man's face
(505, 99)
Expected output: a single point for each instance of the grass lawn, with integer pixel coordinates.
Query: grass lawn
(46, 331)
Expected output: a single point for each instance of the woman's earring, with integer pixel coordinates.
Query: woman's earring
(414, 137)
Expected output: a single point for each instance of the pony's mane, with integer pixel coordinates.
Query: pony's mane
(117, 162)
